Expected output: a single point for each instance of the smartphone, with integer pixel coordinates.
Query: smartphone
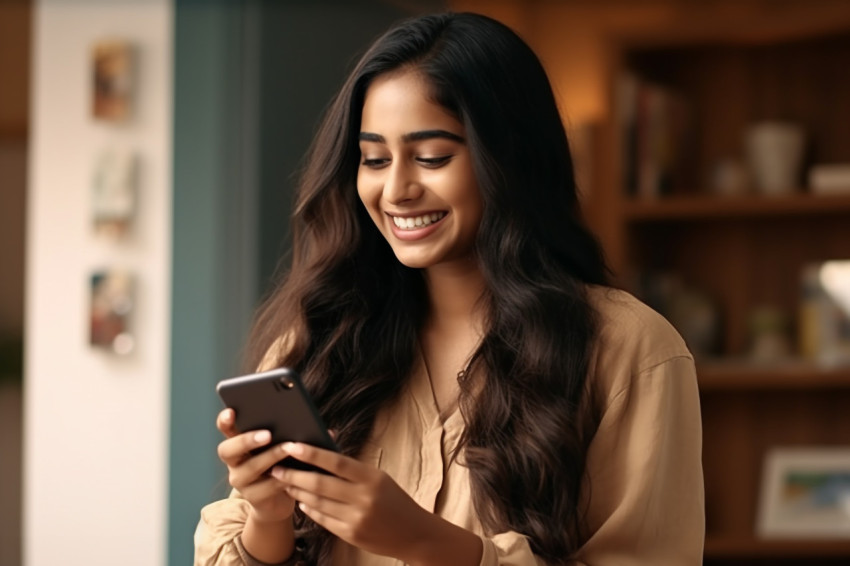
(276, 401)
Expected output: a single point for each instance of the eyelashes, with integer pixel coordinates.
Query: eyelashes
(427, 162)
(379, 163)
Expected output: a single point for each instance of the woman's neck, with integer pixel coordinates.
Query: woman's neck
(454, 293)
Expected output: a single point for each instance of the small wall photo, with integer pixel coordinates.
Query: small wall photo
(805, 493)
(112, 78)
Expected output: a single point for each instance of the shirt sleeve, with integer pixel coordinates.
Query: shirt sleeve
(645, 491)
(645, 494)
(218, 535)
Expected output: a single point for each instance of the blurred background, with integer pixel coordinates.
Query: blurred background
(148, 154)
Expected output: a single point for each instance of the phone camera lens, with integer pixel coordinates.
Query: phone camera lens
(287, 383)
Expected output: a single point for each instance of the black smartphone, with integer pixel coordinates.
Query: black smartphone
(276, 401)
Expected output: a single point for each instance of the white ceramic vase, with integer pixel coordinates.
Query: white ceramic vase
(775, 156)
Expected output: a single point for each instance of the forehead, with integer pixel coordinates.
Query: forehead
(403, 100)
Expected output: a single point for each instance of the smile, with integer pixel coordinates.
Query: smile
(417, 222)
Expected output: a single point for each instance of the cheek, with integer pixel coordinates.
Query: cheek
(369, 198)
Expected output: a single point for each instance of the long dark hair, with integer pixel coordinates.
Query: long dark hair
(353, 312)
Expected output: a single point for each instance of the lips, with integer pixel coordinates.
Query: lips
(414, 227)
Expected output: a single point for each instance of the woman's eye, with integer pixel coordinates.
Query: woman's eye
(434, 162)
(375, 162)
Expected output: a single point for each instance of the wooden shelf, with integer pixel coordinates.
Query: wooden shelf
(716, 207)
(736, 375)
(734, 547)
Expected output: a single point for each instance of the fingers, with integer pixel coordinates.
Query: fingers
(235, 449)
(333, 462)
(225, 422)
(300, 484)
(254, 467)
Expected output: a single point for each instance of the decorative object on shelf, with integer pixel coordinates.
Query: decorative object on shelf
(824, 330)
(769, 340)
(805, 493)
(730, 177)
(830, 179)
(689, 310)
(775, 155)
(111, 307)
(114, 192)
(112, 80)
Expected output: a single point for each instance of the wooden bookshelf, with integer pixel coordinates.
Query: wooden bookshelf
(731, 548)
(743, 375)
(743, 252)
(799, 204)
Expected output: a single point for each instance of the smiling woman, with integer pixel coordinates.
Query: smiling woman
(494, 402)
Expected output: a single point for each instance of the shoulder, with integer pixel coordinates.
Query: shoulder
(631, 339)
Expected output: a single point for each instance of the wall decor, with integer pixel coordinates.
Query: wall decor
(112, 305)
(112, 80)
(114, 192)
(805, 493)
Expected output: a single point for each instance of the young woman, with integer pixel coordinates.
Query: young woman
(494, 402)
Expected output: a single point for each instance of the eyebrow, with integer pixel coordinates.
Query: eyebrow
(413, 136)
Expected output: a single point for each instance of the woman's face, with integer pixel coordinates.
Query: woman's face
(416, 177)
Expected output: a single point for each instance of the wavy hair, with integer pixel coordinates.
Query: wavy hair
(354, 312)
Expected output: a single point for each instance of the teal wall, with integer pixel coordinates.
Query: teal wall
(251, 80)
(214, 264)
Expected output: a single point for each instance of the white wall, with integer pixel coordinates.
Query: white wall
(96, 426)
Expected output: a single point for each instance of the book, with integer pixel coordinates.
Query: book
(654, 126)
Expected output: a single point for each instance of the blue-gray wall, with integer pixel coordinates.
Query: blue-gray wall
(252, 78)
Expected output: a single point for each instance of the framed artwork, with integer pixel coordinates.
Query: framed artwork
(114, 192)
(112, 80)
(805, 493)
(111, 310)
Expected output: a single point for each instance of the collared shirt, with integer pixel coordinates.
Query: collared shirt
(645, 491)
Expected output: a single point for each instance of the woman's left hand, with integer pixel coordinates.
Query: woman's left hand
(358, 503)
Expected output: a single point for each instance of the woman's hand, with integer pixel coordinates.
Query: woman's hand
(247, 472)
(364, 507)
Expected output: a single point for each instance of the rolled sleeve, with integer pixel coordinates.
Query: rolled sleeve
(218, 536)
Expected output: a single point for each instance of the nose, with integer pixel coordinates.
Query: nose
(401, 184)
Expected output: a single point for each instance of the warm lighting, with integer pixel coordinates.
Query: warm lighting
(835, 279)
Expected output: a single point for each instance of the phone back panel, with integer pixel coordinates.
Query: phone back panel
(278, 402)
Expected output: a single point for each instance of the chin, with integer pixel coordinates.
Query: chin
(414, 261)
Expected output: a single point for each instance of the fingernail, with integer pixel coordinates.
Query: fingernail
(227, 416)
(277, 473)
(262, 437)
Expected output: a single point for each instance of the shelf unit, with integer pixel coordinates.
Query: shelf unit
(744, 251)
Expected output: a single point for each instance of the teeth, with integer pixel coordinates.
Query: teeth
(413, 222)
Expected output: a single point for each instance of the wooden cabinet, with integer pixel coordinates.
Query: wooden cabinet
(742, 252)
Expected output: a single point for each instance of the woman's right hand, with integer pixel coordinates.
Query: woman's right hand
(247, 472)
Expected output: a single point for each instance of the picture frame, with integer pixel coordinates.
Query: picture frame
(112, 63)
(110, 311)
(114, 192)
(805, 494)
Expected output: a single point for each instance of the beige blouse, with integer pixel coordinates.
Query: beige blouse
(645, 495)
